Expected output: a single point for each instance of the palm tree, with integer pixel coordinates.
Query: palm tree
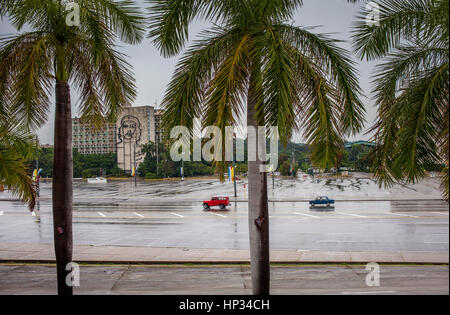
(85, 56)
(17, 147)
(411, 88)
(289, 77)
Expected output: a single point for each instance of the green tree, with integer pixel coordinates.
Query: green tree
(411, 87)
(53, 52)
(17, 146)
(46, 161)
(290, 77)
(150, 164)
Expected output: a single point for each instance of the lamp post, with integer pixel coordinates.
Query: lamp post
(182, 167)
(183, 155)
(273, 180)
(135, 171)
(234, 167)
(38, 217)
(292, 165)
(157, 155)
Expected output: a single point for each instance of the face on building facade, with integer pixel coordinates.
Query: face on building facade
(130, 129)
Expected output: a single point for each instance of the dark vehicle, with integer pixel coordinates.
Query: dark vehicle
(322, 201)
(221, 202)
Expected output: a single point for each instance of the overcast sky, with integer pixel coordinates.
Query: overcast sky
(154, 72)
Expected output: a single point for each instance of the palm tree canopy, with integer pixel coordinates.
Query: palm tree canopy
(17, 147)
(302, 81)
(411, 87)
(85, 55)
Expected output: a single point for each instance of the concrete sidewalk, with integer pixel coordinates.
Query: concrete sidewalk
(205, 280)
(149, 255)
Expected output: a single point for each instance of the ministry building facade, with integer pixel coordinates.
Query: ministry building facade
(135, 127)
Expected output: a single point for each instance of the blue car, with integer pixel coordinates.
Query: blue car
(322, 201)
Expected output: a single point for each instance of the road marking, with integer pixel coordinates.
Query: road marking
(403, 215)
(443, 213)
(353, 215)
(177, 215)
(219, 215)
(435, 242)
(369, 292)
(1, 212)
(307, 215)
(334, 241)
(101, 214)
(139, 215)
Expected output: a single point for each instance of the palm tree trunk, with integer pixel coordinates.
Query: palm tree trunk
(62, 186)
(257, 205)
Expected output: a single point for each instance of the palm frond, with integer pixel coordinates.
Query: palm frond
(124, 18)
(225, 92)
(408, 61)
(34, 12)
(25, 67)
(169, 22)
(409, 128)
(399, 20)
(340, 70)
(17, 146)
(185, 95)
(278, 80)
(318, 110)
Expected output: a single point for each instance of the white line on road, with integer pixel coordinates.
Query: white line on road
(435, 242)
(335, 241)
(177, 215)
(219, 215)
(370, 292)
(353, 215)
(403, 215)
(1, 212)
(101, 214)
(139, 215)
(443, 213)
(307, 215)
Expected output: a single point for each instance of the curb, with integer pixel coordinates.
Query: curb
(225, 263)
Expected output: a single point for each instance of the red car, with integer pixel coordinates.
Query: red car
(221, 202)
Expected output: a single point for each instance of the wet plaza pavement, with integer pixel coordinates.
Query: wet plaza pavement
(170, 214)
(231, 280)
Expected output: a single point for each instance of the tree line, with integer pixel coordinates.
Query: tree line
(355, 158)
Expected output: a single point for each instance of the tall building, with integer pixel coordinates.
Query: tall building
(135, 127)
(87, 141)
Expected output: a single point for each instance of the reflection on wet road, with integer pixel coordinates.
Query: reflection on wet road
(305, 189)
(352, 226)
(170, 214)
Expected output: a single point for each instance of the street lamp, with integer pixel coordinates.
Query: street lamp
(135, 171)
(234, 167)
(182, 166)
(38, 217)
